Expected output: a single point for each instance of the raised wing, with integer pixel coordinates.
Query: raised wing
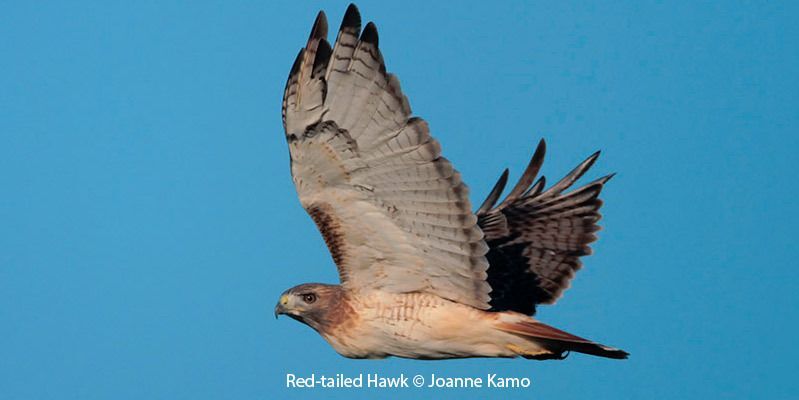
(536, 237)
(393, 212)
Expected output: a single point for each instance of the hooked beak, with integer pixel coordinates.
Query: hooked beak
(280, 307)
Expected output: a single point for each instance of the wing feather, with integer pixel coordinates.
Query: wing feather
(393, 212)
(536, 237)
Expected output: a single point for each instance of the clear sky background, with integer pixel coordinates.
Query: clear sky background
(148, 222)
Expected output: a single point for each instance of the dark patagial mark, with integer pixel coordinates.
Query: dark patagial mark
(330, 229)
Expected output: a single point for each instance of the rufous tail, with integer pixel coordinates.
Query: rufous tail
(556, 341)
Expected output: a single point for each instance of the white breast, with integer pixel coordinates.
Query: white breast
(417, 325)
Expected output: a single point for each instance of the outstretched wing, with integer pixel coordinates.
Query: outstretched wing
(393, 212)
(536, 237)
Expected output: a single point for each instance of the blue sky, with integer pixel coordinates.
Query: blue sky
(148, 222)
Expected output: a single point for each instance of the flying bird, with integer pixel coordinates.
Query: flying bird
(422, 275)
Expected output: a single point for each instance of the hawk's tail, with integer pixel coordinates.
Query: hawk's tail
(546, 342)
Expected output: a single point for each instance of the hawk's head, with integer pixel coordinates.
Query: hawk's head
(314, 304)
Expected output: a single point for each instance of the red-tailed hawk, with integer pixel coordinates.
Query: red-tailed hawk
(422, 276)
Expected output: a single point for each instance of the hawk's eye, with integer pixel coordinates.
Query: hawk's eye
(309, 298)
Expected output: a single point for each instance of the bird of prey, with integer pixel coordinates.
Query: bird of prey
(422, 275)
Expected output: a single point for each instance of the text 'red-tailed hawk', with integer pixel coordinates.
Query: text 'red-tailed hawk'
(422, 276)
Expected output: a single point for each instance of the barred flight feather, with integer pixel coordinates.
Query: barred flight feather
(536, 237)
(403, 220)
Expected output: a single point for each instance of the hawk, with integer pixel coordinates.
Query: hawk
(422, 275)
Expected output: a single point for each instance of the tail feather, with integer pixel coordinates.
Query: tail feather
(557, 341)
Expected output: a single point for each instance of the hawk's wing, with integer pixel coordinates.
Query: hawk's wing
(393, 212)
(537, 236)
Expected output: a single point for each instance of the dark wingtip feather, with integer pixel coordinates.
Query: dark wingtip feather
(542, 144)
(592, 158)
(536, 161)
(319, 29)
(352, 18)
(571, 177)
(537, 187)
(323, 52)
(493, 196)
(369, 34)
(599, 182)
